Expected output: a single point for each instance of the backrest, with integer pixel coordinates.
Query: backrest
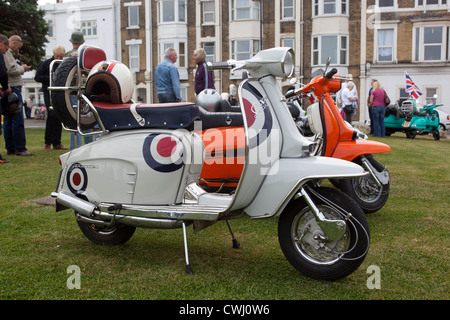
(89, 56)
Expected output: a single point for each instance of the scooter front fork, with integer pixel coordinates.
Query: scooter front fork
(381, 178)
(333, 229)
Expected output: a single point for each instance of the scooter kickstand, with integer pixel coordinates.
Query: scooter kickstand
(236, 244)
(188, 266)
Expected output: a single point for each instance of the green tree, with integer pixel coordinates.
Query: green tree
(23, 18)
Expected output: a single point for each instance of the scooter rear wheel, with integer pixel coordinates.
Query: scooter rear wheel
(304, 243)
(108, 236)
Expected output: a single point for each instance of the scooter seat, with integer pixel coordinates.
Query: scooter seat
(139, 115)
(220, 119)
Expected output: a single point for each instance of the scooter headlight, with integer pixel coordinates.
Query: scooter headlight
(276, 61)
(287, 63)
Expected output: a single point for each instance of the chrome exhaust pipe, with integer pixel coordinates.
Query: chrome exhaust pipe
(65, 200)
(89, 213)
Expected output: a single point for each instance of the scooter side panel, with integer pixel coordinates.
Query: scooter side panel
(288, 175)
(131, 167)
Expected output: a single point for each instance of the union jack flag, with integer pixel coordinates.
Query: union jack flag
(411, 88)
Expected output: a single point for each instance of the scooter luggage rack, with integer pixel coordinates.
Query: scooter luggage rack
(80, 97)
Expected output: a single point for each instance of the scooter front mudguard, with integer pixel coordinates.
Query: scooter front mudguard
(287, 176)
(350, 150)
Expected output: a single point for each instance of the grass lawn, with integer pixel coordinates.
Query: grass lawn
(409, 242)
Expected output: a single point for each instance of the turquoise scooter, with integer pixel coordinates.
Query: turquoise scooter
(412, 120)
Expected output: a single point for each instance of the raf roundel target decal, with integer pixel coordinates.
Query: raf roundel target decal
(77, 178)
(163, 152)
(257, 114)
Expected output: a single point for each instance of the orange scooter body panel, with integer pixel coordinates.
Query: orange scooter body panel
(224, 157)
(349, 150)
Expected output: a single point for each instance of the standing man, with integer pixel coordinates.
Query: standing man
(15, 140)
(53, 127)
(77, 40)
(5, 90)
(349, 101)
(167, 78)
(204, 78)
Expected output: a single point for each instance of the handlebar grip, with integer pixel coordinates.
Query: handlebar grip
(219, 65)
(290, 94)
(331, 73)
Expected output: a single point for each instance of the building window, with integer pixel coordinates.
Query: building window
(244, 49)
(385, 3)
(431, 43)
(50, 28)
(423, 3)
(134, 57)
(88, 28)
(288, 9)
(180, 47)
(182, 55)
(244, 10)
(133, 16)
(288, 42)
(385, 45)
(210, 49)
(431, 94)
(208, 11)
(171, 11)
(330, 7)
(330, 46)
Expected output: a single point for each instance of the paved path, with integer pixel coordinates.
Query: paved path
(34, 124)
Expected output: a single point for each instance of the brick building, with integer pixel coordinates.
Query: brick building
(369, 39)
(380, 39)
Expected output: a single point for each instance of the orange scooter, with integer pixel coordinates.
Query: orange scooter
(333, 137)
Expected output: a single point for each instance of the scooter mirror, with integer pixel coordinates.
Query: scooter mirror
(293, 81)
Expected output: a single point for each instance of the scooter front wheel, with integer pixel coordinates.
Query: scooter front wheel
(108, 236)
(306, 246)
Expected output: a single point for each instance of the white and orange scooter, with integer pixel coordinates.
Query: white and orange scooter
(143, 170)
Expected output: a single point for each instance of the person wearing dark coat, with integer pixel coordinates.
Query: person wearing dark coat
(204, 78)
(53, 127)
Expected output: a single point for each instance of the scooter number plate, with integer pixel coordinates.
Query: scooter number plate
(406, 124)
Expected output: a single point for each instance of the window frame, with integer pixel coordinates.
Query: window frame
(339, 50)
(213, 13)
(182, 56)
(93, 27)
(254, 9)
(376, 54)
(176, 11)
(423, 4)
(130, 25)
(418, 48)
(135, 57)
(283, 10)
(341, 8)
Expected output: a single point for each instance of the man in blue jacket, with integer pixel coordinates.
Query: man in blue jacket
(167, 78)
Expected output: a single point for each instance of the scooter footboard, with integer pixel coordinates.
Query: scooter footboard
(288, 175)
